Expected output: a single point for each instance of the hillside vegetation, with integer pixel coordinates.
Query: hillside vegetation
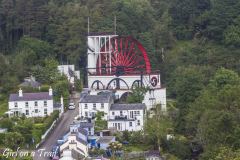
(194, 43)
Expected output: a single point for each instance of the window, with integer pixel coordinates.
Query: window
(138, 122)
(131, 114)
(113, 113)
(102, 105)
(86, 114)
(89, 131)
(45, 111)
(138, 112)
(15, 104)
(121, 113)
(130, 124)
(45, 103)
(94, 106)
(27, 112)
(135, 112)
(35, 103)
(85, 106)
(36, 110)
(26, 104)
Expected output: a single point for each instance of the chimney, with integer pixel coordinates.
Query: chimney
(20, 93)
(50, 91)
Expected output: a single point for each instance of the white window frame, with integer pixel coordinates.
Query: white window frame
(45, 111)
(102, 105)
(130, 124)
(138, 122)
(27, 112)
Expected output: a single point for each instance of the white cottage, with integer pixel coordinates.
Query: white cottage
(128, 117)
(89, 105)
(38, 104)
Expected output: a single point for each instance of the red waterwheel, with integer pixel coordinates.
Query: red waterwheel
(123, 56)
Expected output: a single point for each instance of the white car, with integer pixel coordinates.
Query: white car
(71, 105)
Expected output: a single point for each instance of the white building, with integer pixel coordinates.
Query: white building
(120, 63)
(89, 105)
(69, 71)
(128, 117)
(89, 127)
(31, 104)
(75, 144)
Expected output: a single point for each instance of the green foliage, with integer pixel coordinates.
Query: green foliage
(47, 73)
(213, 117)
(157, 127)
(13, 140)
(137, 95)
(100, 124)
(39, 49)
(35, 36)
(61, 88)
(174, 145)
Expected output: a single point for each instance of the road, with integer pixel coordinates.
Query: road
(59, 131)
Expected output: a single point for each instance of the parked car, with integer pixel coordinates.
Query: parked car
(71, 105)
(55, 150)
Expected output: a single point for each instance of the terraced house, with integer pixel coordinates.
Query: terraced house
(38, 104)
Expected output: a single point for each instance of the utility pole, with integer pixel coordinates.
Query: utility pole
(115, 25)
(88, 25)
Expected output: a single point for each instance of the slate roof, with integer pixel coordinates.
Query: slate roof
(30, 96)
(82, 131)
(86, 125)
(81, 141)
(105, 98)
(134, 106)
(105, 139)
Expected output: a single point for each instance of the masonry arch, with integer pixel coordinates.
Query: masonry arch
(117, 83)
(97, 85)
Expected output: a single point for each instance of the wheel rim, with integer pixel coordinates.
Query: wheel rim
(123, 56)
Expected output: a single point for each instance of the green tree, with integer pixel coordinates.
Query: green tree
(47, 73)
(137, 95)
(114, 147)
(157, 127)
(13, 140)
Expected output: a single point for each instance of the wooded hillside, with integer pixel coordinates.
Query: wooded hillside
(194, 43)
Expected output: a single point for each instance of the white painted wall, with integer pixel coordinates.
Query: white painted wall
(31, 107)
(73, 144)
(128, 79)
(130, 124)
(154, 97)
(64, 70)
(90, 110)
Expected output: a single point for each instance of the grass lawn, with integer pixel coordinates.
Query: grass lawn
(3, 107)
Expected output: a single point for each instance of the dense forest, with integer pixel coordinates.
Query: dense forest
(194, 43)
